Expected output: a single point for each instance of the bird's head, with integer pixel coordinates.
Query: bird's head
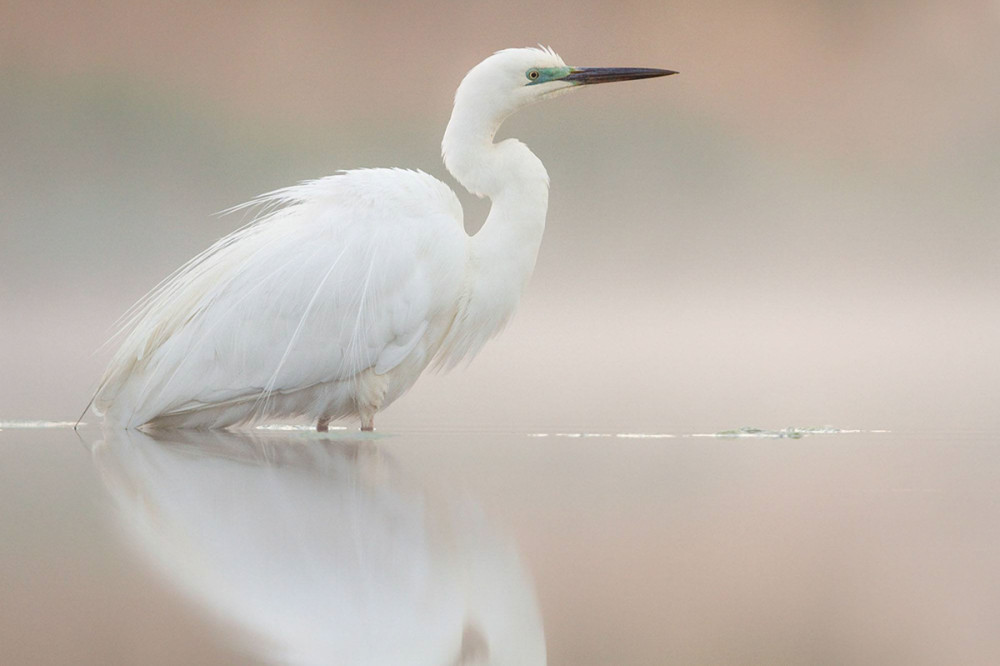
(513, 78)
(497, 87)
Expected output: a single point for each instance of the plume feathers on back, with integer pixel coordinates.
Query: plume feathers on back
(337, 275)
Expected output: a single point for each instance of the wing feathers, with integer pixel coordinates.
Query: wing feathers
(334, 277)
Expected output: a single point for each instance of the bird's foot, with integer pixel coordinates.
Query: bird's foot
(323, 425)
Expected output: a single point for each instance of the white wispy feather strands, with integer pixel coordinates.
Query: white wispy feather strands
(336, 280)
(334, 300)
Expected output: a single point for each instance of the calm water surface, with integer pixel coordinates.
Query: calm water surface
(499, 548)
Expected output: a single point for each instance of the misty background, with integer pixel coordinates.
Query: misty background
(799, 229)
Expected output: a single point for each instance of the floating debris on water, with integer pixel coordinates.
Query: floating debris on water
(26, 425)
(784, 433)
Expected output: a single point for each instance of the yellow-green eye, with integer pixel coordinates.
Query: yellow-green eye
(533, 74)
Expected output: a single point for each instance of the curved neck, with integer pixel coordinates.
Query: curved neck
(502, 254)
(507, 172)
(481, 166)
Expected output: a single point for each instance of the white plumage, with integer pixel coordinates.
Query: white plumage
(333, 301)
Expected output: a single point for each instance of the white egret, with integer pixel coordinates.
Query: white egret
(334, 300)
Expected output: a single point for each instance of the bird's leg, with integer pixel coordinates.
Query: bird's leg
(369, 395)
(323, 425)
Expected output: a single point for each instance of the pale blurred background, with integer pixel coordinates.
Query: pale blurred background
(799, 229)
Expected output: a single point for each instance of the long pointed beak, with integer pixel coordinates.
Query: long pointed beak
(587, 75)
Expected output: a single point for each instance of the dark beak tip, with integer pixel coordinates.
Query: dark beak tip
(587, 75)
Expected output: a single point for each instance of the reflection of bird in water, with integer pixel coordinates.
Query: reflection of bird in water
(333, 302)
(321, 552)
